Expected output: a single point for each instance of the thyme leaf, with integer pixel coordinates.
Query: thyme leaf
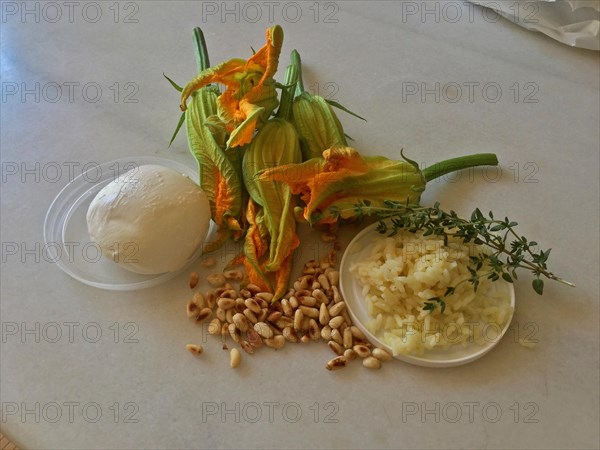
(507, 250)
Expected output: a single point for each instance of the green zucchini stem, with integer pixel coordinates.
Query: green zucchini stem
(462, 162)
(200, 50)
(297, 62)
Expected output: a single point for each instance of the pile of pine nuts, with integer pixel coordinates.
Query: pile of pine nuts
(312, 310)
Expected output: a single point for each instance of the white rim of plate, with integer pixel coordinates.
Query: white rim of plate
(347, 280)
(60, 212)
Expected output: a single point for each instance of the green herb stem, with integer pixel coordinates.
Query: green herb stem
(509, 250)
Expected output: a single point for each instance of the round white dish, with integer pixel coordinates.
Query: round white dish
(357, 308)
(68, 244)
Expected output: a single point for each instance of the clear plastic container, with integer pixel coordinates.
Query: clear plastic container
(66, 236)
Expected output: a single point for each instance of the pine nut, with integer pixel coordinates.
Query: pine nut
(336, 309)
(274, 316)
(252, 305)
(191, 309)
(195, 349)
(221, 315)
(250, 316)
(336, 294)
(346, 316)
(214, 327)
(371, 362)
(339, 362)
(336, 322)
(233, 275)
(229, 315)
(326, 333)
(290, 334)
(245, 293)
(225, 303)
(335, 347)
(234, 358)
(211, 299)
(323, 315)
(320, 296)
(313, 330)
(266, 296)
(263, 315)
(362, 350)
(350, 354)
(219, 291)
(284, 322)
(298, 318)
(357, 333)
(230, 293)
(305, 323)
(381, 354)
(294, 302)
(347, 337)
(333, 276)
(253, 288)
(240, 306)
(194, 279)
(337, 336)
(324, 281)
(263, 329)
(241, 322)
(262, 303)
(305, 339)
(234, 333)
(199, 300)
(275, 342)
(309, 311)
(204, 313)
(247, 347)
(208, 262)
(308, 301)
(315, 285)
(305, 282)
(253, 338)
(216, 280)
(287, 309)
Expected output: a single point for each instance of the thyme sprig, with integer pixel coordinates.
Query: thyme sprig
(507, 250)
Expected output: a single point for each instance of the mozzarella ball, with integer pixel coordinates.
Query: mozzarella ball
(150, 220)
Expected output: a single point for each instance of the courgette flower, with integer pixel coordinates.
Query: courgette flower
(333, 186)
(250, 97)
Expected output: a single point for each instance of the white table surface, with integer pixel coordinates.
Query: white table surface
(547, 396)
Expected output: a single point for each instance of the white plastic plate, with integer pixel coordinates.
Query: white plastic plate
(357, 308)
